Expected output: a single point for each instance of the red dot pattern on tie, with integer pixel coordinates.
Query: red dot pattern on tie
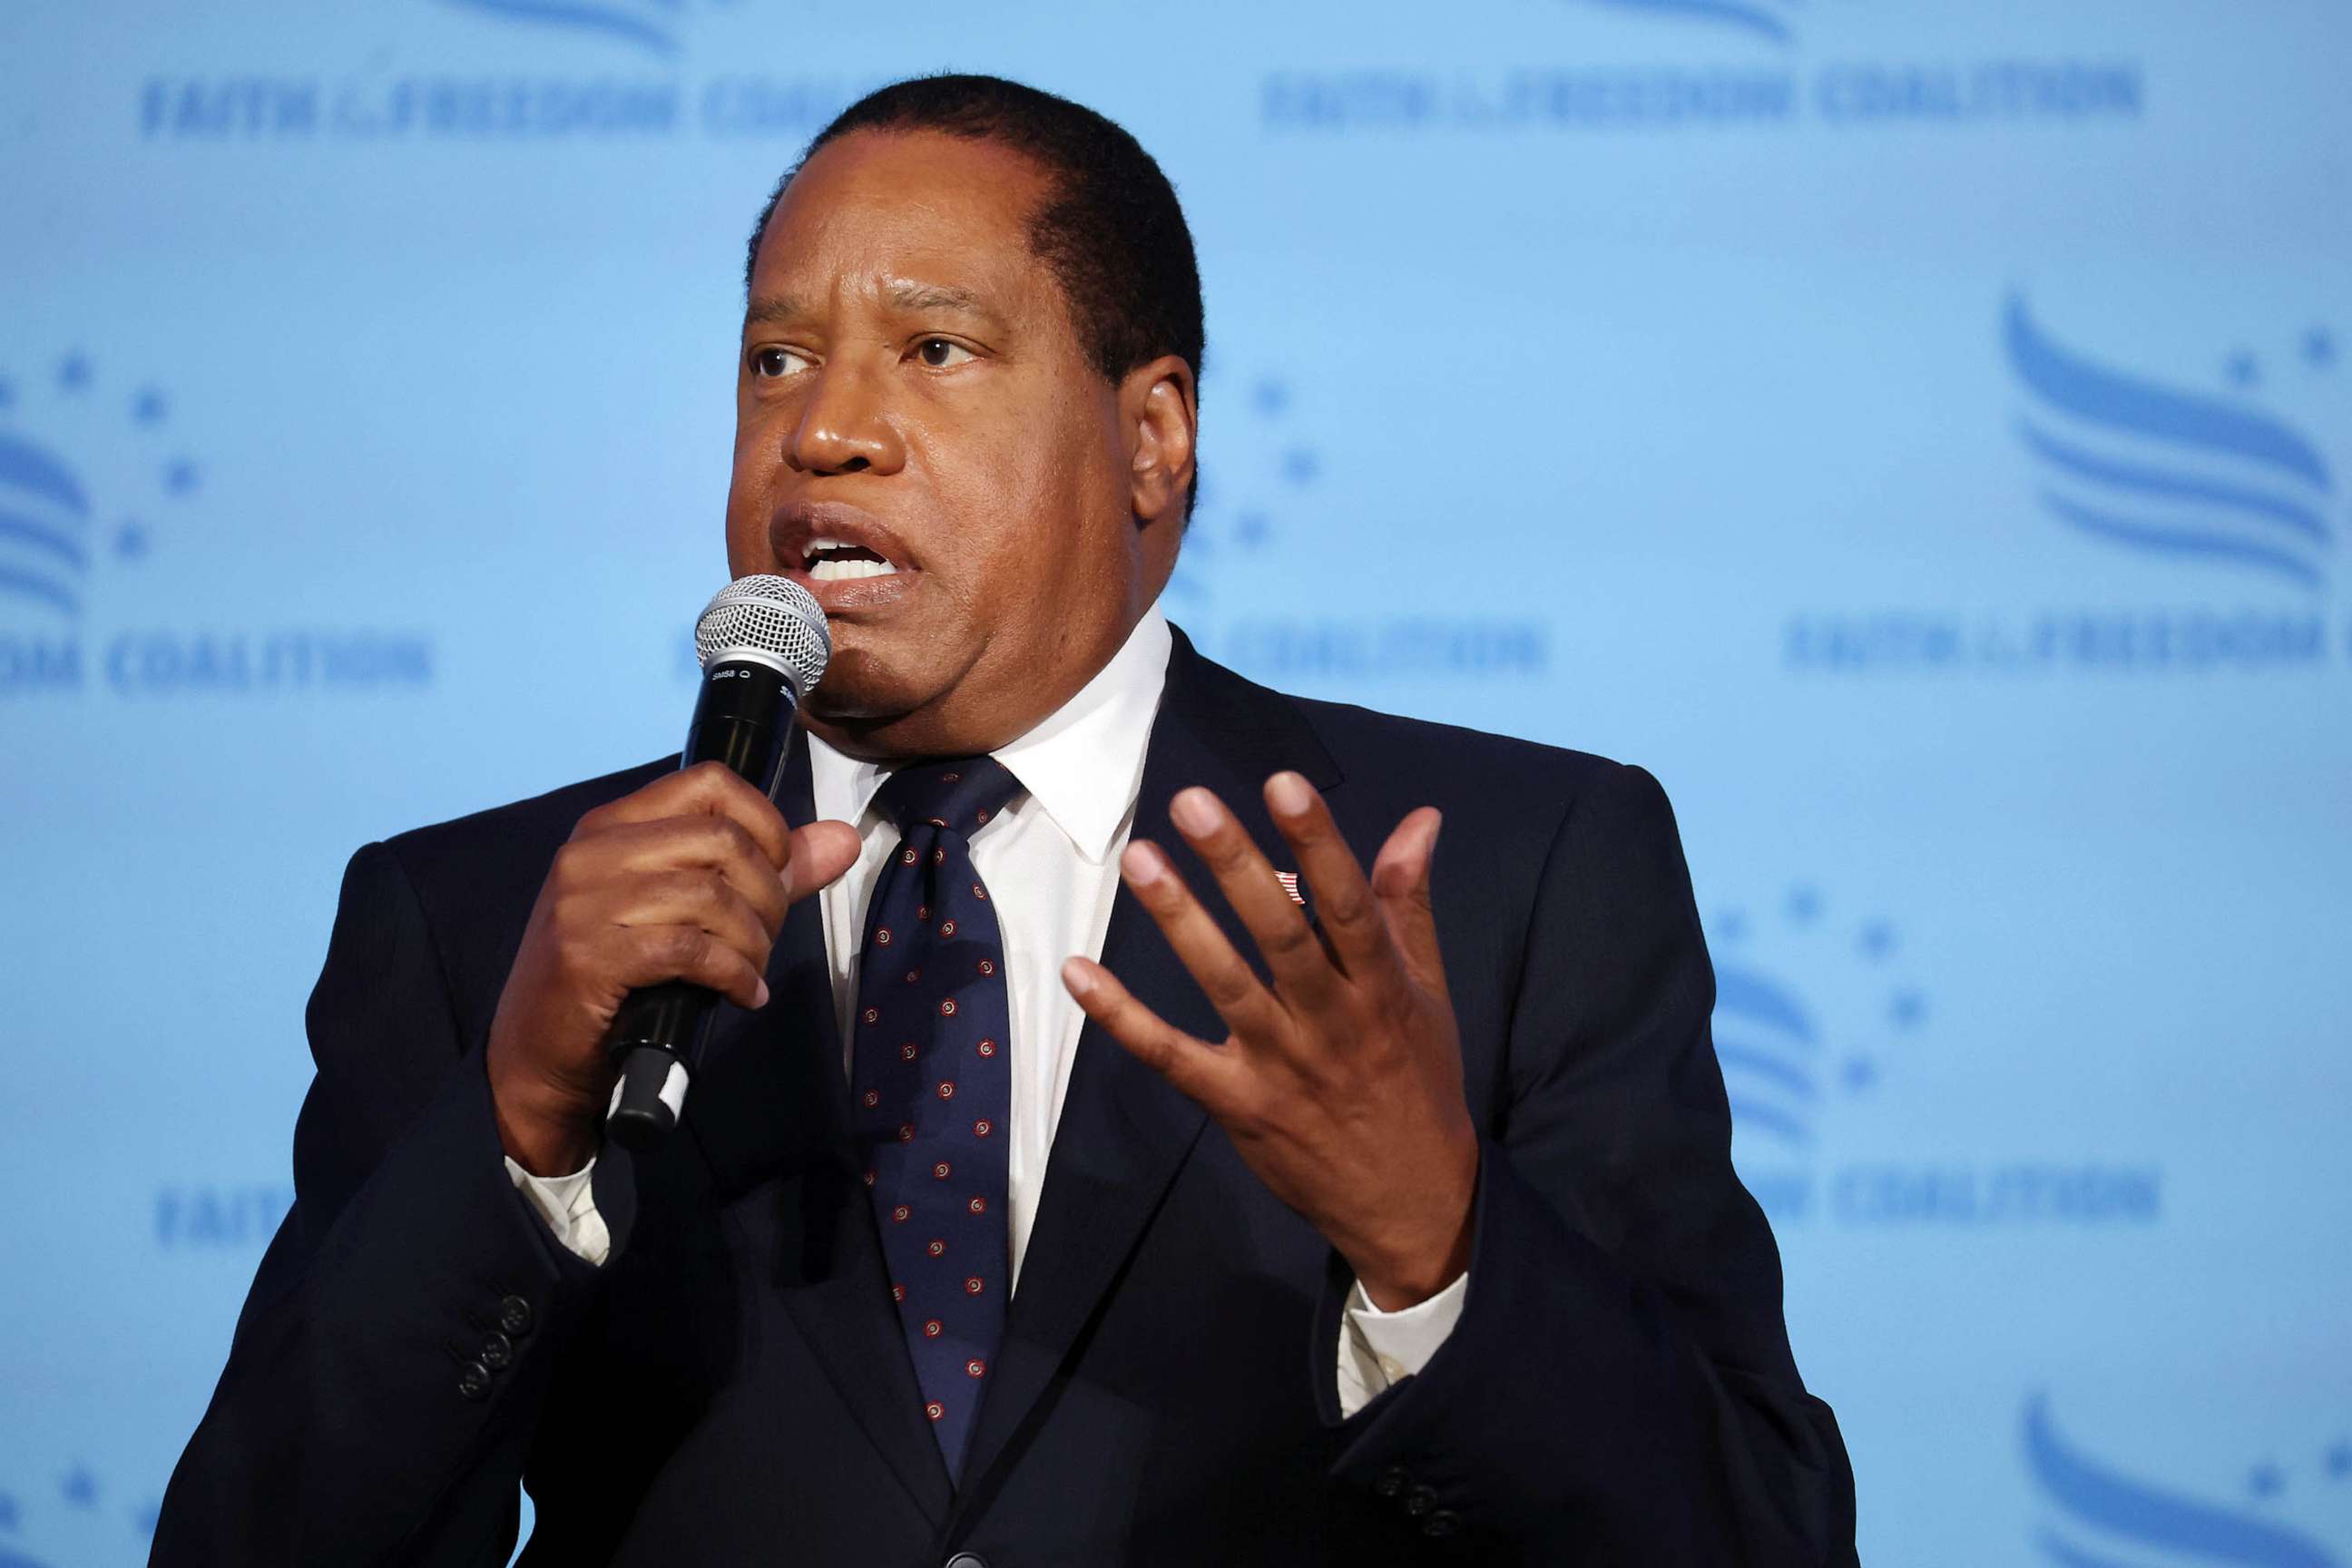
(930, 1084)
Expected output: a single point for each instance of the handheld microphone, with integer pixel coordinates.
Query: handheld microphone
(762, 644)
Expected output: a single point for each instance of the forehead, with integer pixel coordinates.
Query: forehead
(877, 207)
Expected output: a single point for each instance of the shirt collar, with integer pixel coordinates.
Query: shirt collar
(1083, 762)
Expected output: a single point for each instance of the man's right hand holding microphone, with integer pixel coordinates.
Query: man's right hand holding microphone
(687, 879)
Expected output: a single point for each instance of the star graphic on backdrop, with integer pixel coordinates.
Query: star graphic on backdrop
(2242, 369)
(149, 408)
(1804, 905)
(8, 1511)
(73, 373)
(7, 392)
(2265, 1479)
(1860, 1073)
(1907, 1008)
(179, 476)
(1251, 529)
(143, 1517)
(1300, 465)
(1269, 397)
(1730, 926)
(131, 542)
(2319, 348)
(80, 1488)
(1876, 940)
(2339, 1461)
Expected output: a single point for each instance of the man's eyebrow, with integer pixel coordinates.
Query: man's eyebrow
(911, 296)
(768, 309)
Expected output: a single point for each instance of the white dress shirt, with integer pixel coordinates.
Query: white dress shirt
(1051, 863)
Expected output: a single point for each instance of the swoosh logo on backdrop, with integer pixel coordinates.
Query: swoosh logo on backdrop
(2170, 472)
(1765, 1042)
(1762, 20)
(648, 24)
(2135, 1521)
(43, 524)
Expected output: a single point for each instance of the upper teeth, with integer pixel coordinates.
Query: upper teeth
(826, 565)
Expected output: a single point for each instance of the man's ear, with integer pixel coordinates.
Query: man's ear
(1159, 409)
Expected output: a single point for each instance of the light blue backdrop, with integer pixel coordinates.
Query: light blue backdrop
(1918, 433)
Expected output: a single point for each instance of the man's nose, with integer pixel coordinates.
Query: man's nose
(843, 428)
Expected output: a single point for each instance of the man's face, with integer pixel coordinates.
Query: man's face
(922, 441)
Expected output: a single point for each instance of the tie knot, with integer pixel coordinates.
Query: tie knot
(960, 793)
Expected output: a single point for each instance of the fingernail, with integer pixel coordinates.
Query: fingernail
(1196, 811)
(1074, 976)
(1288, 794)
(759, 997)
(1141, 863)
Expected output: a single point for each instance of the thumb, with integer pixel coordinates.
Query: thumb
(1400, 885)
(818, 855)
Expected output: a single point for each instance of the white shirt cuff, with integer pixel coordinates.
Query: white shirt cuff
(568, 1204)
(1379, 1350)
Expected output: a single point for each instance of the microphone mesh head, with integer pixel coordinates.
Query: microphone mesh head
(772, 620)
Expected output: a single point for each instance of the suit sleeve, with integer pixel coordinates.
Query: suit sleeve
(1619, 1387)
(393, 1354)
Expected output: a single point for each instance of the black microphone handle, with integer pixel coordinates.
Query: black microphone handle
(743, 718)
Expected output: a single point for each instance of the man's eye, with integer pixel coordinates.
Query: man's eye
(773, 362)
(939, 353)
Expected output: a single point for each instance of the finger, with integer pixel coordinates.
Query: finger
(648, 956)
(1344, 906)
(678, 843)
(1231, 988)
(1400, 885)
(1193, 1067)
(691, 896)
(1302, 970)
(820, 853)
(706, 789)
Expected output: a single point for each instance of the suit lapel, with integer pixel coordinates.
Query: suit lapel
(1124, 1132)
(773, 1101)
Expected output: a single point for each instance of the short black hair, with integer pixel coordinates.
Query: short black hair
(1110, 228)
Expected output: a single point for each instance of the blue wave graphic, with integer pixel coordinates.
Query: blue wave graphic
(2172, 486)
(1763, 1038)
(2170, 506)
(644, 24)
(41, 537)
(1759, 19)
(25, 467)
(43, 514)
(2141, 1514)
(2182, 541)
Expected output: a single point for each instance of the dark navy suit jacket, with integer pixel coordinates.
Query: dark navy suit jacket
(731, 1386)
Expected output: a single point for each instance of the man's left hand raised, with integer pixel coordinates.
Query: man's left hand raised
(1340, 1085)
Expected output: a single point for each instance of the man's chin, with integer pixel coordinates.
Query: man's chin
(861, 699)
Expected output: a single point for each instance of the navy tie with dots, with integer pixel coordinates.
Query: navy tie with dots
(930, 1084)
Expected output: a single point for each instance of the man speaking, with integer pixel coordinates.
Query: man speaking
(1154, 1120)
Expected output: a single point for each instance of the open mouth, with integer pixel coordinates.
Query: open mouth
(836, 561)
